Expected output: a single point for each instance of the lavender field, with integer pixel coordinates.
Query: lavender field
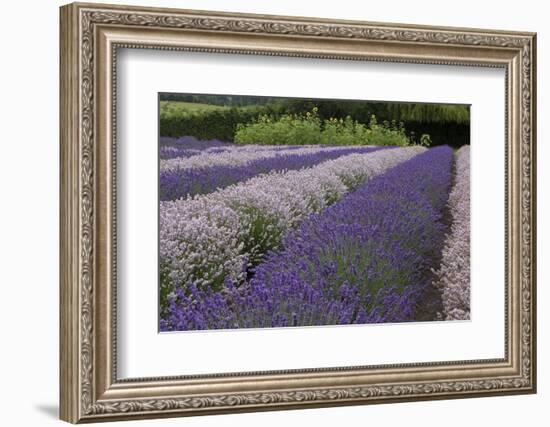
(277, 235)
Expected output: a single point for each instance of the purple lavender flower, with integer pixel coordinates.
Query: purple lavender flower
(207, 238)
(188, 146)
(187, 182)
(230, 155)
(381, 238)
(362, 260)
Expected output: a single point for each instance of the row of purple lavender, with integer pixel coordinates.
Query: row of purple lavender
(182, 182)
(365, 259)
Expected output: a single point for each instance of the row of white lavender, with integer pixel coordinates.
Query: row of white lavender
(209, 238)
(240, 155)
(454, 273)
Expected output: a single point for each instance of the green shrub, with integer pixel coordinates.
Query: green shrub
(425, 140)
(387, 133)
(344, 132)
(295, 129)
(308, 128)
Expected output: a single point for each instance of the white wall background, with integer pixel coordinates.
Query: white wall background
(29, 174)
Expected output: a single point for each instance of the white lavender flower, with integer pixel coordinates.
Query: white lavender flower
(454, 272)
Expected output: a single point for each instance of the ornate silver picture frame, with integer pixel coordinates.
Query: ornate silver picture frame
(91, 35)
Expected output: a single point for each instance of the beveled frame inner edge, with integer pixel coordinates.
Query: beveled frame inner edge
(340, 371)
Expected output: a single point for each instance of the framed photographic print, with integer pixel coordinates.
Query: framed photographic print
(267, 212)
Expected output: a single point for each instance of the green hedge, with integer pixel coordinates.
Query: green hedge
(217, 124)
